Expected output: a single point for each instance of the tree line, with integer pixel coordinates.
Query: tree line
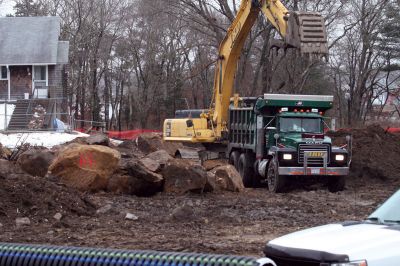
(133, 63)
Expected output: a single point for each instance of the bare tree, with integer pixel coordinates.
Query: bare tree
(358, 57)
(135, 62)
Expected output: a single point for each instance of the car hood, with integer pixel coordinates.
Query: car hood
(357, 241)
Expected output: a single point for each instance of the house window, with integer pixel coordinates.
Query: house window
(3, 73)
(40, 73)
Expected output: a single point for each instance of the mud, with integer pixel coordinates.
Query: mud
(228, 223)
(223, 222)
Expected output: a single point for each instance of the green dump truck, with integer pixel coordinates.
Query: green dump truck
(277, 137)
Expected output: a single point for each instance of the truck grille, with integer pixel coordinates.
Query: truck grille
(314, 147)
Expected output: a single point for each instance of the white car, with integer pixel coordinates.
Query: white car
(373, 242)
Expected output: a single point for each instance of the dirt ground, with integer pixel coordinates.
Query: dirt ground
(227, 223)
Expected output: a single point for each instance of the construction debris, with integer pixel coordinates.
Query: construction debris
(19, 222)
(131, 217)
(58, 216)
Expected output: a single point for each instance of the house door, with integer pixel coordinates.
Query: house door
(40, 82)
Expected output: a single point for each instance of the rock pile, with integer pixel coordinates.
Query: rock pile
(142, 168)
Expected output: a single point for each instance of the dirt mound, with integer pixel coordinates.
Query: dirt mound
(38, 199)
(375, 152)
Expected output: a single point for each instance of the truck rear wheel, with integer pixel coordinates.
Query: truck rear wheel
(336, 184)
(276, 182)
(245, 168)
(234, 159)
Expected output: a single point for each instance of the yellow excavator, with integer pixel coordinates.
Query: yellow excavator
(304, 31)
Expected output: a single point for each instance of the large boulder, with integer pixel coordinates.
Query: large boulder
(127, 144)
(36, 161)
(161, 156)
(130, 185)
(228, 178)
(212, 164)
(84, 167)
(134, 178)
(138, 170)
(151, 164)
(211, 184)
(182, 176)
(151, 142)
(128, 149)
(98, 139)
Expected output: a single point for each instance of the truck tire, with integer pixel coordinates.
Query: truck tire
(336, 184)
(245, 169)
(276, 182)
(234, 159)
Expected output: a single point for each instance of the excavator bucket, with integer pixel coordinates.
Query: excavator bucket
(307, 32)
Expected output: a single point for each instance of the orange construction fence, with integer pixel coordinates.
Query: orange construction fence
(393, 129)
(129, 134)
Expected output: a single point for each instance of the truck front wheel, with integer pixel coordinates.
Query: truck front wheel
(276, 182)
(245, 168)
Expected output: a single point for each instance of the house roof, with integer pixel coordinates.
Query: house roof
(62, 55)
(32, 40)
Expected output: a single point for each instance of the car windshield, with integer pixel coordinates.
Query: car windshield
(300, 124)
(388, 212)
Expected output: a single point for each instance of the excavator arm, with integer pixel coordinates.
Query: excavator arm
(304, 31)
(300, 30)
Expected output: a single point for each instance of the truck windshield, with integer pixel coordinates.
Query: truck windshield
(300, 124)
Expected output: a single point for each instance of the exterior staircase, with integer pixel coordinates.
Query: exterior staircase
(19, 119)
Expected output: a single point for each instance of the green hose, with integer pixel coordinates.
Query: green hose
(37, 255)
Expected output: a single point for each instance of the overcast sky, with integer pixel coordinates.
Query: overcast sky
(6, 7)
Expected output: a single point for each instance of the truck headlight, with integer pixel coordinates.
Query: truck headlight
(339, 157)
(355, 263)
(287, 156)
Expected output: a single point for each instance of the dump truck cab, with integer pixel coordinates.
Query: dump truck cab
(276, 137)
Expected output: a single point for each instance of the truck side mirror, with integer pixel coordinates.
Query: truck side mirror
(276, 136)
(189, 123)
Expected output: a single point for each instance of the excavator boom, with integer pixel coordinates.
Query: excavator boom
(300, 30)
